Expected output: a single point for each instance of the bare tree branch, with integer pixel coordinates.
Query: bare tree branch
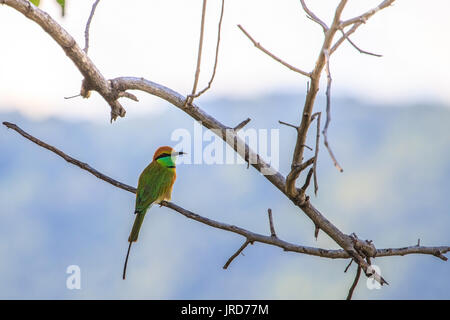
(358, 48)
(355, 282)
(309, 101)
(242, 124)
(190, 97)
(348, 266)
(307, 181)
(70, 159)
(239, 251)
(313, 17)
(88, 25)
(260, 47)
(365, 16)
(288, 124)
(272, 228)
(216, 57)
(327, 122)
(344, 37)
(316, 153)
(357, 22)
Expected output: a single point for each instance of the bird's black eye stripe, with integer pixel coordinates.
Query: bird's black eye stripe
(163, 155)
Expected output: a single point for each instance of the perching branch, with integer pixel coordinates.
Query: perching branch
(251, 236)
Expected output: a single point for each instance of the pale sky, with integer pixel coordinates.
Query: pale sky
(158, 40)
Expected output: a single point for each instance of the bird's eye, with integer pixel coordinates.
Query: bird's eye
(163, 155)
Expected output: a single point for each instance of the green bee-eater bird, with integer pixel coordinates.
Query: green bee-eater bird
(155, 185)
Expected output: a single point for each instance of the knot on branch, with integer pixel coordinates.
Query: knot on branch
(117, 91)
(113, 92)
(364, 247)
(439, 254)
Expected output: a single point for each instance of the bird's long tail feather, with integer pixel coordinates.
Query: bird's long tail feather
(126, 261)
(133, 237)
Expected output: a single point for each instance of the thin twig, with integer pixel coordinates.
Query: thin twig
(272, 229)
(300, 167)
(327, 122)
(313, 17)
(246, 243)
(365, 16)
(358, 48)
(344, 37)
(307, 181)
(357, 22)
(127, 95)
(355, 282)
(270, 54)
(71, 97)
(348, 266)
(217, 55)
(316, 231)
(242, 124)
(190, 97)
(88, 25)
(288, 124)
(316, 153)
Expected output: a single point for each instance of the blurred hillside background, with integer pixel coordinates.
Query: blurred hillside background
(394, 190)
(389, 131)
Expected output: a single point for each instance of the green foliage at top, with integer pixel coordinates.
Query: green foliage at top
(62, 3)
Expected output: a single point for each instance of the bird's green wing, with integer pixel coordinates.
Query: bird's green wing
(154, 181)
